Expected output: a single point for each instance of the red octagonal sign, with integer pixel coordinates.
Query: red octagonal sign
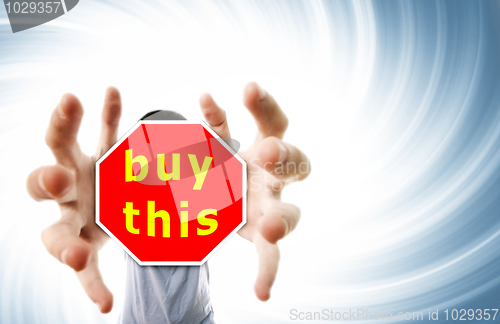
(170, 192)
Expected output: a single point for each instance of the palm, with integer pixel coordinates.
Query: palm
(256, 181)
(263, 189)
(84, 204)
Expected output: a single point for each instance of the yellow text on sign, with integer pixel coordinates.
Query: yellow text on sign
(199, 173)
(152, 214)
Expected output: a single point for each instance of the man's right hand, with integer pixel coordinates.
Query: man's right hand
(75, 239)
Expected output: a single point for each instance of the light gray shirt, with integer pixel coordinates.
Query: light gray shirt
(169, 295)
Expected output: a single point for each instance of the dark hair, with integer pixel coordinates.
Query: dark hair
(162, 115)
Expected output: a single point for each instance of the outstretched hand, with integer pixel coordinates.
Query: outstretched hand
(75, 239)
(272, 163)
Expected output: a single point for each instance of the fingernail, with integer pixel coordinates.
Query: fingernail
(63, 256)
(60, 112)
(40, 181)
(286, 225)
(283, 152)
(42, 185)
(99, 306)
(262, 92)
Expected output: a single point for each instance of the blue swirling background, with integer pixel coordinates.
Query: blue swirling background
(397, 103)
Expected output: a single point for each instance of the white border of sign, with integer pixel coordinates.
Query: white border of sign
(171, 122)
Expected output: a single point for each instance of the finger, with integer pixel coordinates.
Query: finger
(215, 116)
(283, 160)
(93, 284)
(269, 257)
(111, 114)
(63, 242)
(278, 221)
(270, 119)
(51, 182)
(63, 130)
